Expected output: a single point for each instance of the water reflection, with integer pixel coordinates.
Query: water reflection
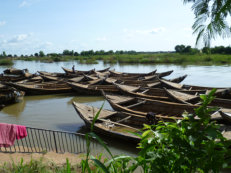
(15, 109)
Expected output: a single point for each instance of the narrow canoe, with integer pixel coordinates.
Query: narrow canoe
(110, 123)
(43, 88)
(15, 71)
(195, 99)
(92, 89)
(142, 106)
(9, 95)
(114, 73)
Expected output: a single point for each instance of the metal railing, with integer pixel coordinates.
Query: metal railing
(43, 140)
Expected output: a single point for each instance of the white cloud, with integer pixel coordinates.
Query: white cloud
(18, 38)
(2, 23)
(23, 4)
(133, 33)
(101, 39)
(27, 3)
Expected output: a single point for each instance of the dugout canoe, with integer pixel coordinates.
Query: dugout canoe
(9, 95)
(66, 70)
(114, 73)
(87, 89)
(150, 81)
(186, 98)
(138, 92)
(110, 123)
(42, 88)
(158, 108)
(15, 71)
(224, 93)
(142, 106)
(116, 124)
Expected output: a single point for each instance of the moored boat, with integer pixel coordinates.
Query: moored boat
(111, 123)
(42, 88)
(142, 106)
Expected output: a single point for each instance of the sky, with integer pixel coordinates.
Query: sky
(28, 26)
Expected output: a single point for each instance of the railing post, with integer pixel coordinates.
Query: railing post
(55, 142)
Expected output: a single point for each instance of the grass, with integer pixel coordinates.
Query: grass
(6, 62)
(161, 58)
(39, 166)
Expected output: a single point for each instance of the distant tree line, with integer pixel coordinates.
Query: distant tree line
(217, 50)
(186, 49)
(182, 49)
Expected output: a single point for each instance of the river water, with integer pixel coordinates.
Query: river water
(56, 112)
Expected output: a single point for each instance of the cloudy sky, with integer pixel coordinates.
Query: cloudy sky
(28, 26)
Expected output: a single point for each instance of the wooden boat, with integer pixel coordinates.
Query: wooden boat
(15, 71)
(44, 73)
(160, 75)
(84, 72)
(114, 73)
(9, 95)
(139, 92)
(220, 92)
(111, 123)
(42, 88)
(10, 78)
(92, 89)
(163, 74)
(116, 124)
(142, 106)
(226, 114)
(156, 107)
(195, 99)
(150, 81)
(63, 79)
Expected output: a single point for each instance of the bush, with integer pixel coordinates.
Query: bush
(188, 145)
(6, 62)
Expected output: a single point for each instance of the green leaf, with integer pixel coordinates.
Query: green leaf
(101, 165)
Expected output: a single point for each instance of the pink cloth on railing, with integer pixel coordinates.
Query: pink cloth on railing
(9, 132)
(21, 132)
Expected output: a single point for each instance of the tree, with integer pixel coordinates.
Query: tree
(41, 54)
(4, 54)
(206, 50)
(36, 54)
(210, 19)
(179, 48)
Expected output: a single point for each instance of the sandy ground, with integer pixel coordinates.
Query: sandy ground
(58, 159)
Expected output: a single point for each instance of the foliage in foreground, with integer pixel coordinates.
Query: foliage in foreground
(188, 145)
(38, 166)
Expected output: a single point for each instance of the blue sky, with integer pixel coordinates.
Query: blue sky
(28, 26)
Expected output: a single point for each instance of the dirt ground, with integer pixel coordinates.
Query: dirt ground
(58, 159)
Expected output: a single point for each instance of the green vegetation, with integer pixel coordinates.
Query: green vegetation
(188, 145)
(39, 166)
(158, 58)
(6, 62)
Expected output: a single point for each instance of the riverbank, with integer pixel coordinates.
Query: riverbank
(39, 162)
(158, 58)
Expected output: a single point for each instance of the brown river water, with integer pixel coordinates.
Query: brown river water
(56, 112)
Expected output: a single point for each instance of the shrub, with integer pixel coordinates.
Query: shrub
(6, 62)
(188, 145)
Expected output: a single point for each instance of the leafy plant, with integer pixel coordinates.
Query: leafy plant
(193, 144)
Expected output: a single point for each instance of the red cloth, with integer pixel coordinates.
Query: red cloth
(21, 132)
(9, 132)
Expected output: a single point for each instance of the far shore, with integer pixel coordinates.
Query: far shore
(155, 58)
